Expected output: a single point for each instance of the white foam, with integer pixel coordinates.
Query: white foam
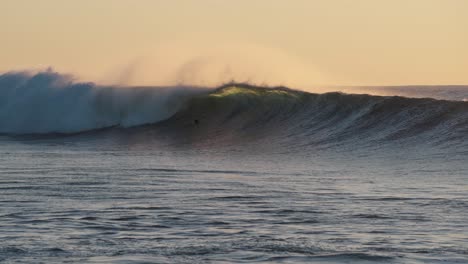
(48, 102)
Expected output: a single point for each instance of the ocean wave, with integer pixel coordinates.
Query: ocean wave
(48, 102)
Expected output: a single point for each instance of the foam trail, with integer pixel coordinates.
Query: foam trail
(48, 102)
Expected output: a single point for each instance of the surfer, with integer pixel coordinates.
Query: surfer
(195, 122)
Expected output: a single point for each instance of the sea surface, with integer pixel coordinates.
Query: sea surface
(238, 174)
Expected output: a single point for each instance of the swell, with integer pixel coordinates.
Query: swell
(249, 111)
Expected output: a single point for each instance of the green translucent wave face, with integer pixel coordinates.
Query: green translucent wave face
(251, 91)
(241, 101)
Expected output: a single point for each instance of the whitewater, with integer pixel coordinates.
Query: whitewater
(232, 174)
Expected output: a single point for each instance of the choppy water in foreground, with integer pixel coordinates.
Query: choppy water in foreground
(73, 200)
(239, 174)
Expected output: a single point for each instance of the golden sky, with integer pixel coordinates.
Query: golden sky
(298, 42)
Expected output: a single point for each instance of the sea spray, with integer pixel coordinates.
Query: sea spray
(48, 102)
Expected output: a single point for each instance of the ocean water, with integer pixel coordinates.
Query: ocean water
(238, 174)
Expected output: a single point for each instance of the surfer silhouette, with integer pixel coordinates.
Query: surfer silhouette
(195, 122)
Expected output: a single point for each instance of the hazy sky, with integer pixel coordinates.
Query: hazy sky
(358, 42)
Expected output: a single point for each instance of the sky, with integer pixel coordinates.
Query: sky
(288, 42)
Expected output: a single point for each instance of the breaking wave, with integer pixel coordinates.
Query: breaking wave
(48, 102)
(51, 103)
